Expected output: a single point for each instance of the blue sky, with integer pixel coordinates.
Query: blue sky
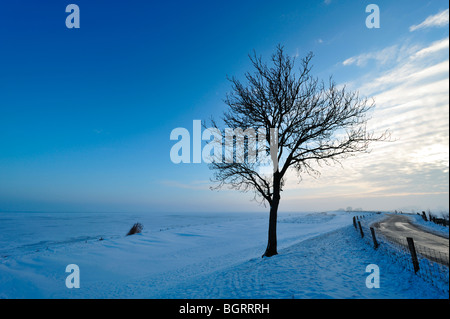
(86, 114)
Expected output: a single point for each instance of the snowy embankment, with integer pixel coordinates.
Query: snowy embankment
(430, 226)
(193, 256)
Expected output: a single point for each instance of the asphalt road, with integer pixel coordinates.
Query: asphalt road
(432, 246)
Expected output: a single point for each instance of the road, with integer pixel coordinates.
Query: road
(427, 243)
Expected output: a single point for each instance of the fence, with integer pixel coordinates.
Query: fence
(429, 264)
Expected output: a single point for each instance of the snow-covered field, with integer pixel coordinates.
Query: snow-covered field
(194, 256)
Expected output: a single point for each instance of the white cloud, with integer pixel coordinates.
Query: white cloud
(437, 20)
(408, 64)
(381, 56)
(386, 56)
(434, 47)
(412, 100)
(396, 53)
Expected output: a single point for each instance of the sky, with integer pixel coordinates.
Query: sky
(86, 113)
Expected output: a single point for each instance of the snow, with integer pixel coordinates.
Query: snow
(430, 226)
(194, 256)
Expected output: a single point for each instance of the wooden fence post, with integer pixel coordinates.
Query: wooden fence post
(412, 249)
(375, 243)
(354, 222)
(360, 229)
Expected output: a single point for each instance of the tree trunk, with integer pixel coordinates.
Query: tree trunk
(272, 241)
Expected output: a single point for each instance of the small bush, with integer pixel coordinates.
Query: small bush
(136, 229)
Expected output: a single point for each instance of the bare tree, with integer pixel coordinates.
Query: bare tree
(313, 123)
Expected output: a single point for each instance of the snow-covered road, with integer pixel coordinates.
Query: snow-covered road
(401, 226)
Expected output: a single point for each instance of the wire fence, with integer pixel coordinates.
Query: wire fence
(427, 263)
